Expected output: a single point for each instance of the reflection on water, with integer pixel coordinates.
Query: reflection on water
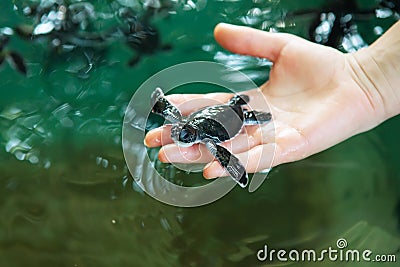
(309, 204)
(67, 198)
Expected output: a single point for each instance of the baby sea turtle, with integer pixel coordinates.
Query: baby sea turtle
(211, 126)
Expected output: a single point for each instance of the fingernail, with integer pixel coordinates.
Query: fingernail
(166, 153)
(151, 142)
(145, 142)
(162, 157)
(225, 24)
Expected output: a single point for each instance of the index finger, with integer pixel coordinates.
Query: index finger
(248, 41)
(188, 103)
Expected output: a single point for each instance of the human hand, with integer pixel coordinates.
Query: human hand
(316, 95)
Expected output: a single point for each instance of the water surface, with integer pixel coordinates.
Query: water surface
(67, 199)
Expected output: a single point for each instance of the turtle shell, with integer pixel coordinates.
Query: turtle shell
(219, 123)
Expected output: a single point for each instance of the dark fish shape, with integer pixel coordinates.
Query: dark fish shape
(4, 40)
(334, 24)
(17, 62)
(2, 58)
(140, 35)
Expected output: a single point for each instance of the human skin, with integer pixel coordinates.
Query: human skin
(317, 95)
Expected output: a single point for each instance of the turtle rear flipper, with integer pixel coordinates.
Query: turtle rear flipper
(163, 107)
(253, 117)
(229, 162)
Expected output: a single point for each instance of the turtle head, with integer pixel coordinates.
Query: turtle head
(184, 135)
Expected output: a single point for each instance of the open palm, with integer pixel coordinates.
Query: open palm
(314, 94)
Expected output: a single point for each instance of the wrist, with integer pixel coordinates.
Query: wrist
(386, 54)
(377, 71)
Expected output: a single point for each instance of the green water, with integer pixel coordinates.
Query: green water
(67, 199)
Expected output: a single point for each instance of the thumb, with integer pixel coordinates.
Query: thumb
(252, 42)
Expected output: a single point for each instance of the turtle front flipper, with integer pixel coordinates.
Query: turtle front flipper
(229, 162)
(239, 100)
(163, 107)
(253, 117)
